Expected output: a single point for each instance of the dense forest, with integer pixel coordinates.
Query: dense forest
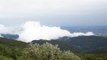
(52, 50)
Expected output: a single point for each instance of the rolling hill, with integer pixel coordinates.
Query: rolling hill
(12, 43)
(87, 47)
(80, 44)
(94, 44)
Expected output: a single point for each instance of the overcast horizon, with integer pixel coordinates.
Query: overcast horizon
(54, 12)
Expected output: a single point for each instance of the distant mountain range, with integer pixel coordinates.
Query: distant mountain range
(10, 36)
(98, 30)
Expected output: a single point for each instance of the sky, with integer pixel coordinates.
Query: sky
(54, 12)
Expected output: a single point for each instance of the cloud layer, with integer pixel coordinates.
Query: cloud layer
(33, 30)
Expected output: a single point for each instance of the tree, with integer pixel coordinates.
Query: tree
(47, 51)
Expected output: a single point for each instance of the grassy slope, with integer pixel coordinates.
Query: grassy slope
(12, 43)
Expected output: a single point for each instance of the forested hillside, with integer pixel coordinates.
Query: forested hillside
(69, 48)
(80, 44)
(16, 50)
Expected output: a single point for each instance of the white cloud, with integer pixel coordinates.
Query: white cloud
(3, 29)
(32, 30)
(35, 31)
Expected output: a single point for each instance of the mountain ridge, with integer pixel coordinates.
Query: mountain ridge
(81, 43)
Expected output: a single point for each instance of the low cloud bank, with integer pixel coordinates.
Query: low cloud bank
(33, 30)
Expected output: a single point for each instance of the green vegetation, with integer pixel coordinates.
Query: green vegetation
(11, 49)
(91, 56)
(46, 51)
(83, 44)
(17, 50)
(5, 58)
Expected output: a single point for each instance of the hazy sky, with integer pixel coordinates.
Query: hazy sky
(54, 12)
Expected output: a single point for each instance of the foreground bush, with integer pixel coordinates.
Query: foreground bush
(5, 58)
(47, 52)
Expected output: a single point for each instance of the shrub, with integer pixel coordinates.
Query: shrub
(5, 58)
(47, 52)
